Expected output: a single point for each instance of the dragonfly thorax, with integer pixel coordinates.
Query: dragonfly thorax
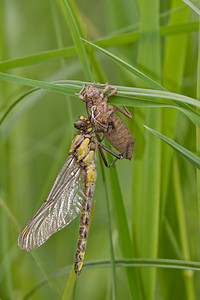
(83, 145)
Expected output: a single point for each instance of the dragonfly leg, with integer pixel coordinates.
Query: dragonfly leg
(80, 95)
(87, 109)
(104, 158)
(101, 147)
(100, 138)
(126, 149)
(107, 88)
(124, 111)
(111, 93)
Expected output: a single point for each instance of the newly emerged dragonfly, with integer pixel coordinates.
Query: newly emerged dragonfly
(70, 195)
(103, 118)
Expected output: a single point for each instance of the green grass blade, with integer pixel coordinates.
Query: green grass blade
(124, 234)
(147, 211)
(4, 184)
(109, 232)
(133, 37)
(160, 263)
(71, 87)
(5, 248)
(37, 58)
(43, 282)
(71, 21)
(37, 83)
(121, 262)
(122, 39)
(67, 295)
(59, 39)
(76, 14)
(193, 4)
(8, 214)
(133, 70)
(128, 67)
(173, 80)
(171, 236)
(179, 203)
(128, 91)
(171, 59)
(198, 132)
(191, 157)
(185, 27)
(140, 262)
(41, 266)
(97, 70)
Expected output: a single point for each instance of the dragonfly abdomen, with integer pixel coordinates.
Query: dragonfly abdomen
(89, 176)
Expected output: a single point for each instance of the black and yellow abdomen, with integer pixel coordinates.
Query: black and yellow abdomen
(83, 148)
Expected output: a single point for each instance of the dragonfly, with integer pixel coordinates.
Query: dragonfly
(105, 121)
(70, 194)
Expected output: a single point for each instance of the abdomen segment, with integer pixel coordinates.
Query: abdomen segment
(89, 176)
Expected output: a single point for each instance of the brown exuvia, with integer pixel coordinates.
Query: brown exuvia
(105, 120)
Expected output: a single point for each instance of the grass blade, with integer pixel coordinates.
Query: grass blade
(69, 286)
(130, 68)
(198, 132)
(122, 39)
(71, 21)
(109, 233)
(130, 263)
(173, 60)
(146, 212)
(72, 87)
(37, 58)
(191, 157)
(193, 5)
(179, 203)
(124, 234)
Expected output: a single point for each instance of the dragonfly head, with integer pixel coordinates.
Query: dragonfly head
(83, 124)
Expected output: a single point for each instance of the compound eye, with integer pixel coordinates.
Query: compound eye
(80, 124)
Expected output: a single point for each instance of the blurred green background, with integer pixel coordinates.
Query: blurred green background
(160, 189)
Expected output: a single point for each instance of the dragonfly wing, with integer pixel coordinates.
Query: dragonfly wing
(62, 205)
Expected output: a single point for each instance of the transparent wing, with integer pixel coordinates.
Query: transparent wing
(62, 205)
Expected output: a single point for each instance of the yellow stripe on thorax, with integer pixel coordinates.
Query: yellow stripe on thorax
(80, 147)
